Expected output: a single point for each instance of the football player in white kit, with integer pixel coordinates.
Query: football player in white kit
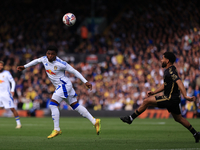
(7, 93)
(55, 69)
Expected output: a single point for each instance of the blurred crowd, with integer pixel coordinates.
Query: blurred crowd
(133, 44)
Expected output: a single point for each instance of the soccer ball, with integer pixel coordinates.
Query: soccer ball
(69, 19)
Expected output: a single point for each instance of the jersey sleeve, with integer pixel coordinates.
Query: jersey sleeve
(12, 81)
(70, 69)
(174, 74)
(33, 62)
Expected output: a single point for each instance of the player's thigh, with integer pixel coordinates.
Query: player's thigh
(7, 101)
(175, 109)
(71, 99)
(1, 104)
(151, 101)
(57, 98)
(61, 93)
(163, 102)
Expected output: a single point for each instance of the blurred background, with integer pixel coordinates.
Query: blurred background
(116, 45)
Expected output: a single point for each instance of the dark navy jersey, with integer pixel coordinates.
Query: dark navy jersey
(171, 90)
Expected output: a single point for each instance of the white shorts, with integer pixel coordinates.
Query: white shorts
(6, 101)
(1, 104)
(65, 92)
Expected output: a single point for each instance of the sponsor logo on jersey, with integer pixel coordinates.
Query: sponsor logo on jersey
(1, 81)
(50, 72)
(55, 67)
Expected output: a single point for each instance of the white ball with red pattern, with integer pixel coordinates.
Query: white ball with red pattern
(69, 19)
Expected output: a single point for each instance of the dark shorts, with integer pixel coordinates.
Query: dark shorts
(172, 104)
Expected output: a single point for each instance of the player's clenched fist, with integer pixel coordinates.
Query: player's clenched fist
(20, 68)
(150, 93)
(88, 85)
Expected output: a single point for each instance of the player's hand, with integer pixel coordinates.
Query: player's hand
(12, 93)
(88, 85)
(193, 98)
(150, 93)
(20, 68)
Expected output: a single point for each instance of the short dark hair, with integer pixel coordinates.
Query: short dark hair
(170, 56)
(1, 62)
(52, 48)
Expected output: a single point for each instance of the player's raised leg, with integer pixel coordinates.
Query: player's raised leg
(85, 113)
(16, 118)
(150, 101)
(55, 116)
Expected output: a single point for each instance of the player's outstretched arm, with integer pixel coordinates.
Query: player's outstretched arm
(183, 91)
(160, 89)
(77, 74)
(20, 68)
(32, 63)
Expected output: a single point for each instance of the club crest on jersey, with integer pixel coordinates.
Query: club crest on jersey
(1, 81)
(55, 67)
(50, 72)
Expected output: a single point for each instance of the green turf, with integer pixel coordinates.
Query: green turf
(79, 134)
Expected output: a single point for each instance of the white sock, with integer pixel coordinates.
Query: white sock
(85, 113)
(17, 120)
(55, 116)
(131, 118)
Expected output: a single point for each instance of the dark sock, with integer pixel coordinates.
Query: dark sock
(135, 114)
(192, 130)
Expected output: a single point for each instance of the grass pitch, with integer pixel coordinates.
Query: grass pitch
(79, 134)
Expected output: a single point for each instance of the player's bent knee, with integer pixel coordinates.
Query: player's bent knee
(53, 103)
(150, 101)
(146, 101)
(75, 106)
(178, 119)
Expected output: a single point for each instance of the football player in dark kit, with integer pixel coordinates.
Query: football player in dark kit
(171, 98)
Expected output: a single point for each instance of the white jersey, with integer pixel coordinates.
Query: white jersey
(5, 80)
(56, 70)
